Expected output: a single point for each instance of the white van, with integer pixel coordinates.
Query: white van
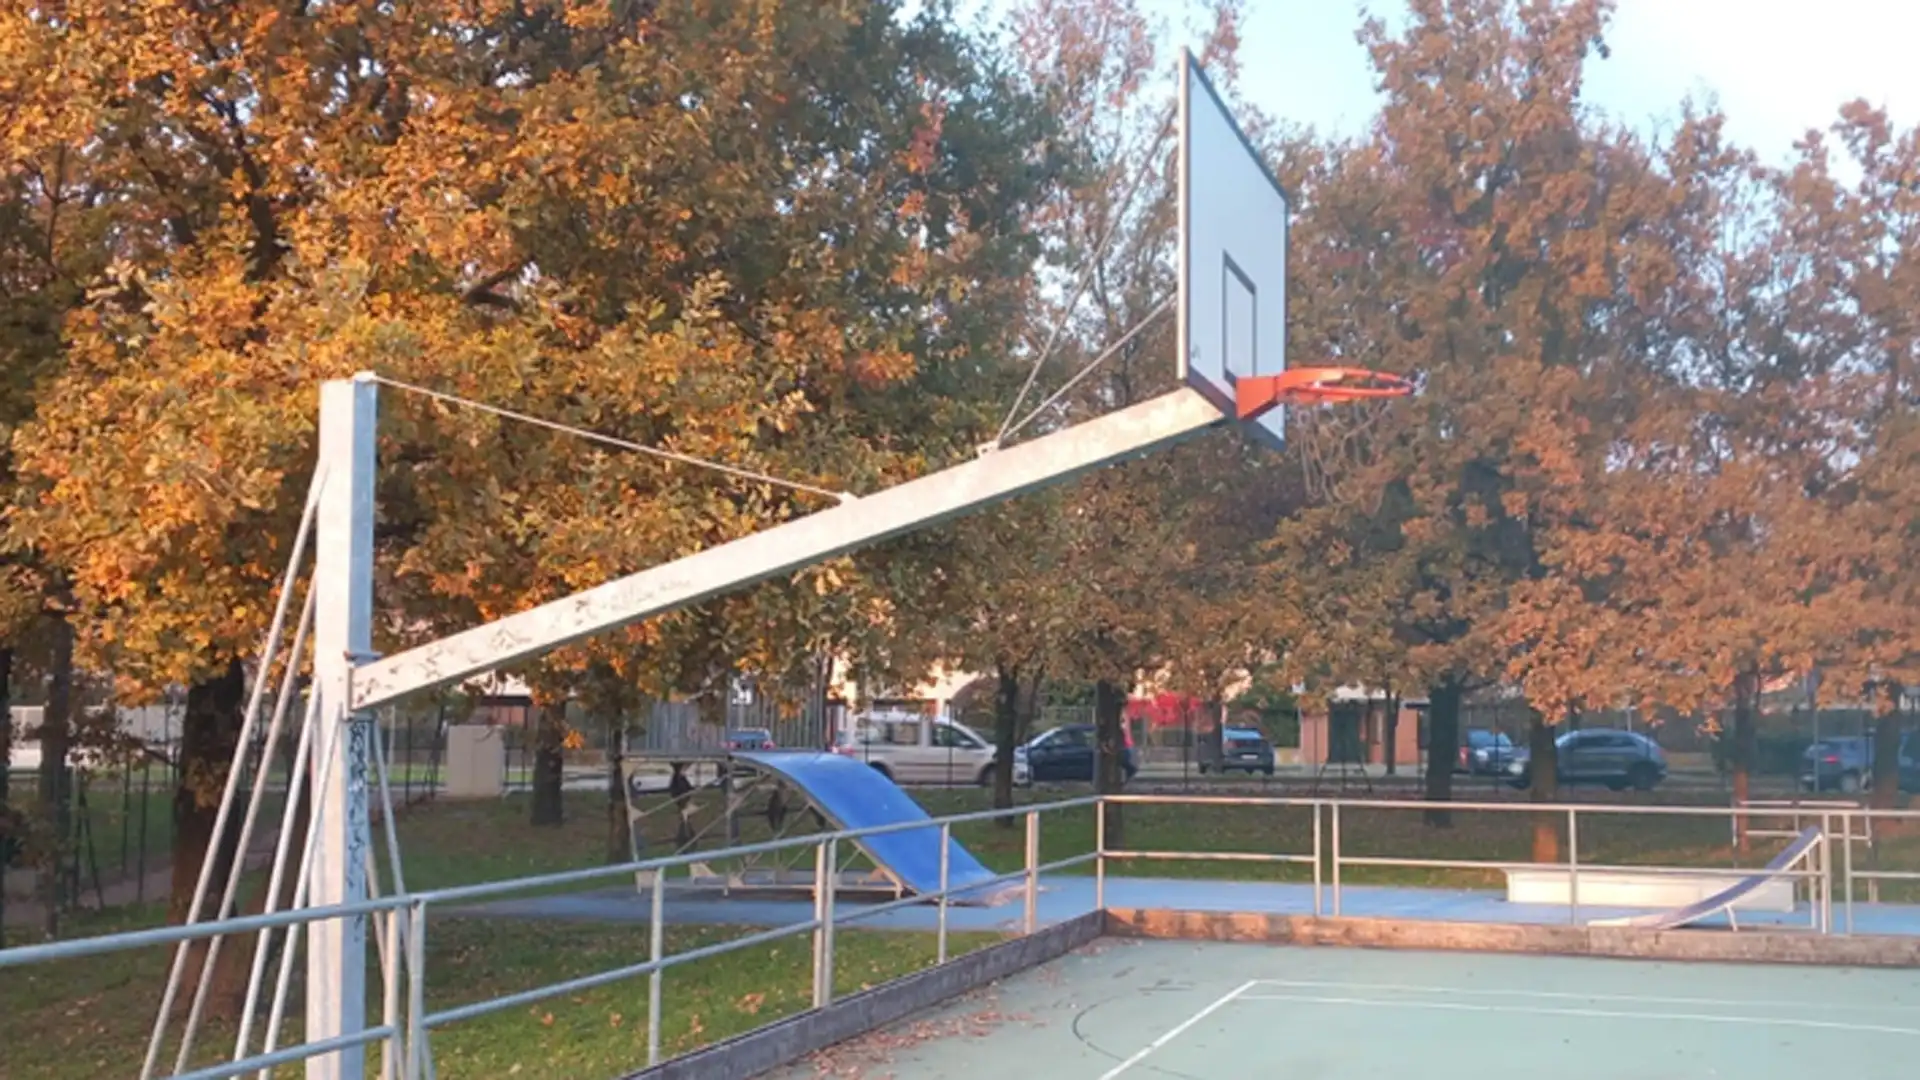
(912, 749)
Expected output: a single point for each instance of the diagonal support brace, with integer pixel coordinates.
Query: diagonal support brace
(918, 503)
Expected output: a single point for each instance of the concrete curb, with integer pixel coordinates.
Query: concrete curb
(1746, 946)
(791, 1039)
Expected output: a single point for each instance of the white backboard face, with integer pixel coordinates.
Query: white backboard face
(1233, 254)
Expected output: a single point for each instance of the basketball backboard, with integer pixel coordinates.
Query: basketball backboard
(1233, 254)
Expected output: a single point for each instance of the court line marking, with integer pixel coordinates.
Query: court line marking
(1562, 995)
(1595, 1014)
(1141, 1054)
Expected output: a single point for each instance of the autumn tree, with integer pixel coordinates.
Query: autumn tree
(764, 251)
(1125, 535)
(1496, 240)
(1011, 604)
(1854, 318)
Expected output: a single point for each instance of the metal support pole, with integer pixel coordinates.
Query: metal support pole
(1316, 860)
(1573, 866)
(656, 951)
(1033, 870)
(1335, 807)
(342, 638)
(1100, 855)
(417, 991)
(946, 871)
(825, 859)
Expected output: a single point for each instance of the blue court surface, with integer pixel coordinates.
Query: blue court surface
(1210, 1011)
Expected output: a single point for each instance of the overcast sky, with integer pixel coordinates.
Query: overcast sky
(1777, 67)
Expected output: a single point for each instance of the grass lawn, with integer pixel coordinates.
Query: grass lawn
(90, 1018)
(128, 812)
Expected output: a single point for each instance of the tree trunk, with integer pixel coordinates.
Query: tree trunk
(619, 826)
(1886, 756)
(1544, 787)
(1392, 734)
(1006, 731)
(547, 808)
(56, 777)
(209, 739)
(10, 830)
(1746, 694)
(1109, 712)
(1443, 746)
(209, 743)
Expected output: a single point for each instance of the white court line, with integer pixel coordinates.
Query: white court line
(1596, 1014)
(1141, 1054)
(1553, 995)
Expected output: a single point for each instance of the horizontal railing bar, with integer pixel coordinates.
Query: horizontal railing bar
(1439, 806)
(868, 911)
(291, 1054)
(630, 971)
(1886, 875)
(170, 935)
(572, 877)
(1583, 868)
(1212, 856)
(1067, 863)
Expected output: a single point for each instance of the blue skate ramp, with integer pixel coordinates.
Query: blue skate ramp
(852, 795)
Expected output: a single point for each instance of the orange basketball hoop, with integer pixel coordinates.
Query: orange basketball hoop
(1314, 386)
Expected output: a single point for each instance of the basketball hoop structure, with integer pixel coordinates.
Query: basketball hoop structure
(1254, 395)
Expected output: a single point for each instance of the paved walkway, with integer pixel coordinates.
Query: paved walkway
(1066, 896)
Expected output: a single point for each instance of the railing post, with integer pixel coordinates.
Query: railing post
(656, 951)
(1573, 866)
(946, 883)
(393, 1050)
(1315, 807)
(1335, 808)
(1033, 870)
(1823, 901)
(1100, 854)
(825, 871)
(416, 991)
(1846, 863)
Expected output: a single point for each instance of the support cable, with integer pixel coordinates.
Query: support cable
(610, 440)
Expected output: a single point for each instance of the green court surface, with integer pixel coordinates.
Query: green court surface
(1141, 1009)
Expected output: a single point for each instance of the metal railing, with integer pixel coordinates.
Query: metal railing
(1328, 865)
(402, 921)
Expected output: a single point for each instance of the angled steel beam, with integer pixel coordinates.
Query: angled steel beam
(949, 493)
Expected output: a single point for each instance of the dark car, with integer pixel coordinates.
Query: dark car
(750, 738)
(1068, 753)
(1618, 759)
(1485, 753)
(1244, 749)
(1845, 764)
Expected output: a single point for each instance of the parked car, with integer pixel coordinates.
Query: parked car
(921, 750)
(1485, 753)
(1618, 759)
(1068, 753)
(1845, 764)
(1245, 749)
(750, 739)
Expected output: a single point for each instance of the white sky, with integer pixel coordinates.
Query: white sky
(1777, 67)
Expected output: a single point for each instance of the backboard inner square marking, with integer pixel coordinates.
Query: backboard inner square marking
(1239, 321)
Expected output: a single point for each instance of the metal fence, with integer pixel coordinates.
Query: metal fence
(401, 924)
